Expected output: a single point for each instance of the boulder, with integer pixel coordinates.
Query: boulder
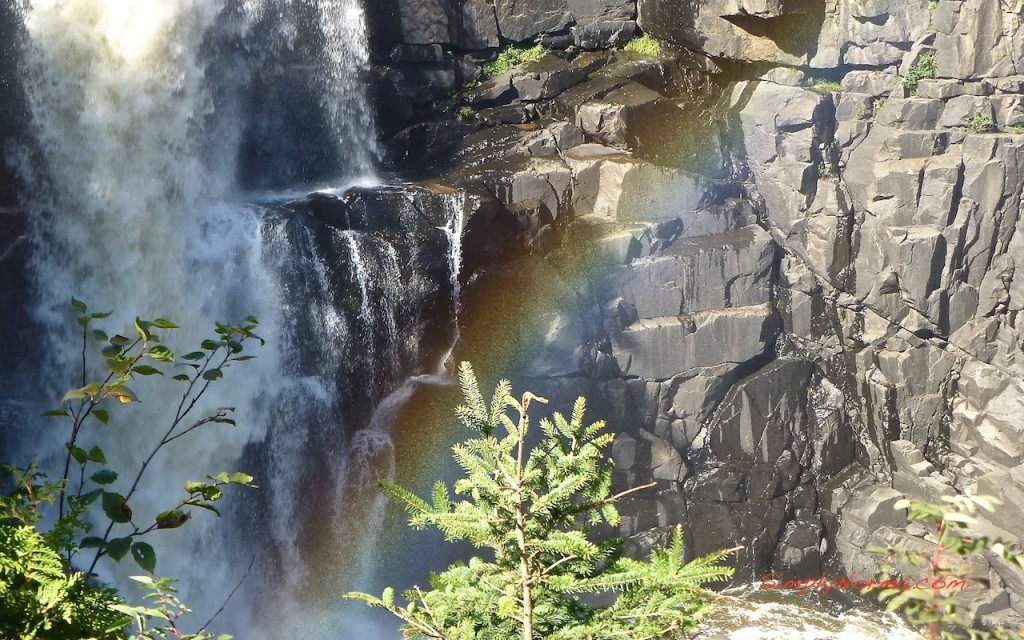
(470, 24)
(782, 141)
(699, 274)
(615, 185)
(779, 31)
(978, 39)
(545, 78)
(661, 348)
(764, 414)
(521, 20)
(623, 115)
(603, 35)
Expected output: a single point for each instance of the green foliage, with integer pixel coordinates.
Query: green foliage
(40, 599)
(533, 507)
(509, 57)
(923, 69)
(828, 86)
(38, 570)
(166, 613)
(936, 607)
(466, 112)
(825, 171)
(982, 124)
(645, 44)
(876, 108)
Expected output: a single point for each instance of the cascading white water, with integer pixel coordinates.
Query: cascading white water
(134, 208)
(341, 24)
(456, 205)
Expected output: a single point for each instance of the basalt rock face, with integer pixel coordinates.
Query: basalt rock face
(798, 305)
(897, 210)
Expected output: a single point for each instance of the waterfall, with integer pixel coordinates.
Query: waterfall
(341, 23)
(143, 131)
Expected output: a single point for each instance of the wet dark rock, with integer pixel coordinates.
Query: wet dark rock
(546, 78)
(521, 20)
(604, 35)
(416, 53)
(423, 142)
(508, 114)
(620, 117)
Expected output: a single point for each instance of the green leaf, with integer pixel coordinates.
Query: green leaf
(120, 341)
(142, 328)
(100, 336)
(123, 394)
(80, 455)
(118, 548)
(213, 374)
(194, 487)
(90, 497)
(101, 415)
(116, 508)
(172, 519)
(92, 542)
(212, 493)
(164, 323)
(146, 370)
(103, 314)
(144, 556)
(56, 413)
(96, 455)
(161, 354)
(111, 351)
(106, 476)
(241, 478)
(74, 394)
(203, 505)
(244, 358)
(210, 345)
(195, 355)
(78, 305)
(182, 377)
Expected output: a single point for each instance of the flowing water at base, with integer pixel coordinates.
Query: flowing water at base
(749, 613)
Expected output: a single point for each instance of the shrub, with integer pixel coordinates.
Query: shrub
(532, 507)
(828, 86)
(923, 69)
(509, 57)
(982, 124)
(951, 522)
(43, 593)
(645, 44)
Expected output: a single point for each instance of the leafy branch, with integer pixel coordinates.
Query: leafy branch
(938, 607)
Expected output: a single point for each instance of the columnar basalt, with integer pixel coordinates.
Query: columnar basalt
(809, 311)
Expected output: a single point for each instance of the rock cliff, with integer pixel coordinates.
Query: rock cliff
(800, 227)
